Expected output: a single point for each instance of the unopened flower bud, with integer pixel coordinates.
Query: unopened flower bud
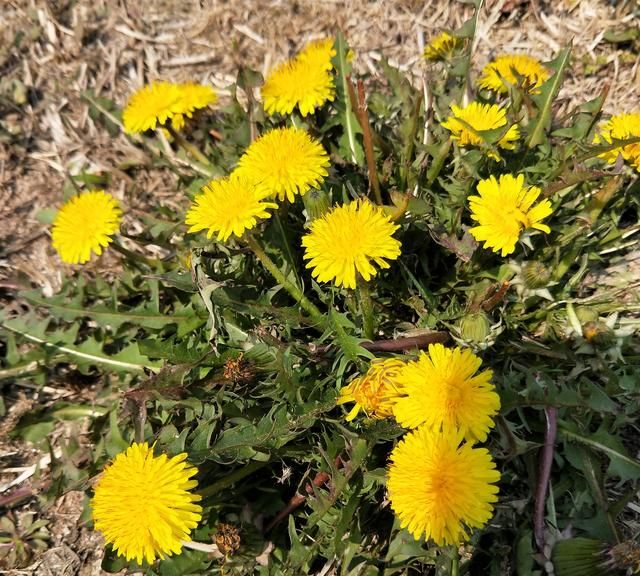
(475, 327)
(316, 203)
(535, 275)
(598, 334)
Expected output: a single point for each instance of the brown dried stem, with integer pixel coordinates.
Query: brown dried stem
(393, 345)
(546, 459)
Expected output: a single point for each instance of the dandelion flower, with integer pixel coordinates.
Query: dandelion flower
(192, 97)
(350, 239)
(84, 225)
(143, 505)
(304, 81)
(376, 391)
(442, 47)
(284, 162)
(152, 106)
(442, 390)
(228, 206)
(318, 53)
(441, 487)
(511, 70)
(504, 209)
(465, 124)
(621, 127)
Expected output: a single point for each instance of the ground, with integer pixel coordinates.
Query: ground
(54, 54)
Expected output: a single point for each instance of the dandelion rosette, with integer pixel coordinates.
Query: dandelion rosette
(512, 70)
(304, 81)
(465, 124)
(85, 225)
(228, 206)
(143, 506)
(440, 486)
(442, 47)
(284, 162)
(348, 240)
(442, 389)
(621, 127)
(376, 391)
(151, 106)
(503, 209)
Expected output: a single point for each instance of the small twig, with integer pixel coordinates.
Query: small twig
(393, 345)
(297, 500)
(363, 118)
(546, 459)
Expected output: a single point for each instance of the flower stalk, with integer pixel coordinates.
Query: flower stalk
(366, 307)
(187, 146)
(306, 304)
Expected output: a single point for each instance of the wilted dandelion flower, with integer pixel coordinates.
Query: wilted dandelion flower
(228, 206)
(510, 70)
(318, 53)
(440, 486)
(621, 127)
(376, 391)
(442, 390)
(504, 209)
(192, 97)
(442, 47)
(284, 162)
(304, 81)
(151, 106)
(349, 240)
(84, 225)
(465, 123)
(143, 505)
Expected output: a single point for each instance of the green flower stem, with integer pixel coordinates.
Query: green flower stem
(366, 307)
(306, 304)
(455, 563)
(187, 146)
(133, 257)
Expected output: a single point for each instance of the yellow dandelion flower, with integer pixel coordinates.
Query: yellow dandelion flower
(318, 53)
(305, 82)
(151, 106)
(228, 206)
(441, 487)
(442, 47)
(504, 209)
(192, 97)
(143, 505)
(466, 123)
(621, 127)
(350, 239)
(376, 391)
(442, 390)
(284, 162)
(84, 225)
(511, 70)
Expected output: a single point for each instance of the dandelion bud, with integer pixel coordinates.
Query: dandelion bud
(535, 275)
(586, 315)
(317, 203)
(475, 327)
(598, 334)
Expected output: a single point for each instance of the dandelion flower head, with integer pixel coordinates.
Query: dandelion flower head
(304, 81)
(621, 127)
(465, 123)
(192, 97)
(348, 240)
(85, 225)
(443, 389)
(151, 106)
(143, 505)
(284, 162)
(318, 53)
(228, 206)
(440, 486)
(376, 391)
(511, 70)
(442, 47)
(503, 209)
